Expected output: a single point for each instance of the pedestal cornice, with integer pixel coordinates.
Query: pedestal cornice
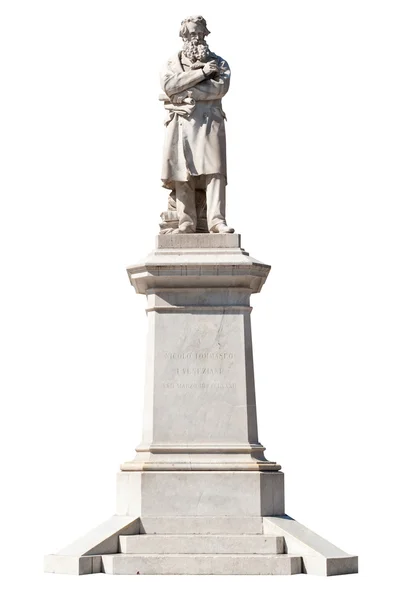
(198, 260)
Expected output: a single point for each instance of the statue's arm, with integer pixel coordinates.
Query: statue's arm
(210, 90)
(175, 83)
(214, 89)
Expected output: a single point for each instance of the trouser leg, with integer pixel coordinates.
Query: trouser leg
(185, 205)
(215, 200)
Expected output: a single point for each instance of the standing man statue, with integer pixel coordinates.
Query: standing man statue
(194, 81)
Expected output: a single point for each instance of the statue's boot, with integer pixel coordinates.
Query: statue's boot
(222, 228)
(185, 228)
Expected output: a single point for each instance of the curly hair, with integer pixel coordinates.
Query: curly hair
(196, 19)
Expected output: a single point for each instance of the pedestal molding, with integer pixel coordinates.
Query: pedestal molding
(200, 308)
(205, 466)
(200, 448)
(198, 241)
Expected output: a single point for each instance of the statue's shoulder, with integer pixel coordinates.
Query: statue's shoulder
(173, 63)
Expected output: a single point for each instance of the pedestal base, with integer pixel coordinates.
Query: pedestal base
(200, 497)
(200, 493)
(201, 546)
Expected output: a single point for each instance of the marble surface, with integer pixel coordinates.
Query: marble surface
(200, 405)
(72, 565)
(202, 525)
(198, 240)
(83, 556)
(201, 544)
(202, 564)
(199, 260)
(320, 557)
(220, 545)
(200, 493)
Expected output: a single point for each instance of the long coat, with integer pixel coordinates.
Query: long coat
(195, 140)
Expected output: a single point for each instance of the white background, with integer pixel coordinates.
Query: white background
(313, 144)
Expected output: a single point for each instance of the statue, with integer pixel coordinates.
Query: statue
(199, 476)
(194, 161)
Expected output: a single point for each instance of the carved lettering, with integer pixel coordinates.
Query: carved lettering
(199, 355)
(191, 374)
(198, 371)
(171, 385)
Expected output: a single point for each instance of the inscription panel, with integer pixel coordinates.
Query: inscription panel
(200, 384)
(200, 365)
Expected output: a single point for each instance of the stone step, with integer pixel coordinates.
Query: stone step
(201, 544)
(201, 564)
(205, 525)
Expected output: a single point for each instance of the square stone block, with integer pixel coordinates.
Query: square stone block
(200, 493)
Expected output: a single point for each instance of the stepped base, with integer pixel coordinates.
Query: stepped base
(201, 546)
(202, 525)
(201, 564)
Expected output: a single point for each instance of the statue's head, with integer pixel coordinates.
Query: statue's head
(194, 28)
(193, 31)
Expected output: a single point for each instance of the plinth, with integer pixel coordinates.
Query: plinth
(199, 487)
(200, 453)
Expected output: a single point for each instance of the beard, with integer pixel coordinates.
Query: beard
(196, 51)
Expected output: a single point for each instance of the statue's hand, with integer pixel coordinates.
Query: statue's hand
(197, 65)
(183, 98)
(210, 69)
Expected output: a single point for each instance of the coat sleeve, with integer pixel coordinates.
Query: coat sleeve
(175, 83)
(213, 89)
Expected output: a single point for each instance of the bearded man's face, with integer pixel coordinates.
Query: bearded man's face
(195, 46)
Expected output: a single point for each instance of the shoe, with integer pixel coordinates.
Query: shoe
(186, 229)
(221, 228)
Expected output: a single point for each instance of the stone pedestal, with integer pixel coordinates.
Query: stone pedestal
(199, 407)
(200, 435)
(200, 470)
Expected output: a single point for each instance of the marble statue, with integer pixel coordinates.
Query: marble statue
(199, 496)
(194, 161)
